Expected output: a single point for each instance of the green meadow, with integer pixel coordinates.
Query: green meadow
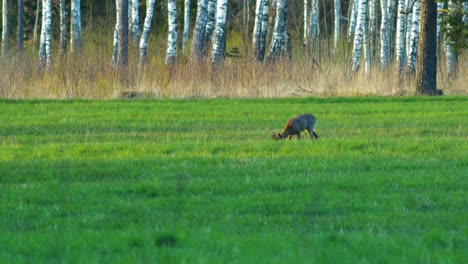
(202, 181)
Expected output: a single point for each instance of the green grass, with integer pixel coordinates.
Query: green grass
(201, 181)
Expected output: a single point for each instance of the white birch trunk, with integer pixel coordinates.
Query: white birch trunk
(260, 29)
(219, 35)
(465, 10)
(45, 52)
(337, 24)
(116, 34)
(409, 24)
(315, 30)
(198, 43)
(371, 33)
(20, 44)
(146, 29)
(210, 21)
(451, 58)
(353, 6)
(400, 37)
(172, 32)
(367, 55)
(306, 21)
(75, 30)
(358, 35)
(440, 5)
(385, 32)
(63, 28)
(185, 35)
(135, 21)
(414, 39)
(4, 28)
(122, 52)
(279, 39)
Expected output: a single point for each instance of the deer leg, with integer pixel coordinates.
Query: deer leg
(310, 132)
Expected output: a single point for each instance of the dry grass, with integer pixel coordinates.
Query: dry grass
(91, 75)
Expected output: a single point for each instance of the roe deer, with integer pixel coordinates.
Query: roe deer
(295, 125)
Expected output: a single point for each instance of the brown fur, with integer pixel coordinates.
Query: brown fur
(296, 125)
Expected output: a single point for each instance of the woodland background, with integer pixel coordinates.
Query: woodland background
(317, 67)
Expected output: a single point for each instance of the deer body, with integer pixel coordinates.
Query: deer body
(296, 125)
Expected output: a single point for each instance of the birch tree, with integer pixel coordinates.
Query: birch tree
(337, 23)
(122, 50)
(306, 20)
(75, 30)
(409, 24)
(116, 34)
(20, 26)
(219, 35)
(198, 43)
(400, 47)
(4, 28)
(451, 57)
(358, 35)
(367, 56)
(280, 42)
(314, 17)
(210, 21)
(371, 32)
(385, 34)
(426, 72)
(185, 34)
(45, 51)
(260, 29)
(414, 38)
(172, 32)
(63, 28)
(353, 10)
(135, 21)
(146, 29)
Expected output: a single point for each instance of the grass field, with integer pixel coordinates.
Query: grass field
(201, 181)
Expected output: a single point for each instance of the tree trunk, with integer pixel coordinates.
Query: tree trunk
(145, 34)
(172, 32)
(219, 37)
(409, 24)
(198, 44)
(280, 39)
(4, 28)
(210, 22)
(337, 23)
(400, 38)
(116, 34)
(122, 51)
(315, 30)
(358, 35)
(135, 22)
(385, 32)
(63, 28)
(451, 56)
(20, 26)
(75, 30)
(45, 52)
(371, 33)
(185, 35)
(426, 69)
(414, 38)
(260, 29)
(353, 10)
